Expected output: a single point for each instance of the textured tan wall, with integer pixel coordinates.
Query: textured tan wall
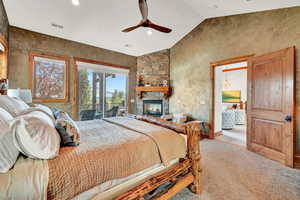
(23, 41)
(223, 38)
(3, 21)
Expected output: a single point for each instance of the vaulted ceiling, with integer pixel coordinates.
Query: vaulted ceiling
(99, 22)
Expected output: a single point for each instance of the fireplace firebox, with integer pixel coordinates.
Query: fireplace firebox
(153, 107)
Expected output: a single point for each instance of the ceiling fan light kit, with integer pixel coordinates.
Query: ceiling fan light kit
(145, 22)
(149, 32)
(75, 2)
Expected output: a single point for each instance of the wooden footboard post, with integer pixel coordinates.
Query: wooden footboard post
(187, 172)
(193, 144)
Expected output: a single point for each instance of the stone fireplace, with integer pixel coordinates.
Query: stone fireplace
(153, 97)
(153, 107)
(154, 68)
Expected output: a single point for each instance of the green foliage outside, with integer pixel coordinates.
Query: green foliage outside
(117, 98)
(85, 91)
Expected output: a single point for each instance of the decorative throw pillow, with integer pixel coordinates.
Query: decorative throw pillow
(35, 135)
(8, 152)
(14, 106)
(67, 128)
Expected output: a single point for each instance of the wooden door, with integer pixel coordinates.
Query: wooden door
(270, 116)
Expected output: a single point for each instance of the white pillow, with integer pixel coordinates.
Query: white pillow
(13, 106)
(31, 109)
(35, 135)
(8, 152)
(45, 109)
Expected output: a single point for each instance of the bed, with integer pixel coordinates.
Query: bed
(118, 158)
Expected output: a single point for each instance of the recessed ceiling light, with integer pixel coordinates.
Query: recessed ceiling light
(128, 45)
(149, 32)
(75, 2)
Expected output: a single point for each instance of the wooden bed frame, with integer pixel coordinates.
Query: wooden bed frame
(186, 173)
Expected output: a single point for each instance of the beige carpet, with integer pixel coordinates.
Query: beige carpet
(231, 172)
(235, 136)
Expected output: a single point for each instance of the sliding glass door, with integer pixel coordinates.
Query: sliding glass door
(116, 94)
(102, 91)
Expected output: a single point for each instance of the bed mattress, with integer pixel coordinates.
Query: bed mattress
(113, 188)
(111, 153)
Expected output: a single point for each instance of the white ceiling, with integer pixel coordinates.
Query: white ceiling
(99, 22)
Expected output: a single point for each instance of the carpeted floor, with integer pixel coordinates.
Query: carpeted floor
(231, 172)
(235, 136)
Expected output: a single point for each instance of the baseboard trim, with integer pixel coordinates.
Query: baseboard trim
(204, 137)
(218, 133)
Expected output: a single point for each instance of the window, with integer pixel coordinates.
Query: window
(102, 91)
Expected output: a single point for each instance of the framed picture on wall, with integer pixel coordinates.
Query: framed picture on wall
(49, 77)
(231, 96)
(3, 57)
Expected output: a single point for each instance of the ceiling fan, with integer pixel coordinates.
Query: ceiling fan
(145, 22)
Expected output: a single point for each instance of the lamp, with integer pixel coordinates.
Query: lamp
(2, 48)
(226, 85)
(23, 94)
(226, 82)
(3, 86)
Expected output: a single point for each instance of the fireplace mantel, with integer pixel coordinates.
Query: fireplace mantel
(164, 89)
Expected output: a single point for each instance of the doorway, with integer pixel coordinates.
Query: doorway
(230, 100)
(270, 107)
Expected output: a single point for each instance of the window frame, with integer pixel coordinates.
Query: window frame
(75, 100)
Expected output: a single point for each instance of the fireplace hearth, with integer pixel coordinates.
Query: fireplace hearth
(153, 107)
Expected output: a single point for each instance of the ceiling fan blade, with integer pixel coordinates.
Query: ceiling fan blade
(145, 21)
(131, 28)
(144, 9)
(160, 28)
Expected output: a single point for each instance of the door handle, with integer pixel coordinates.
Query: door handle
(288, 118)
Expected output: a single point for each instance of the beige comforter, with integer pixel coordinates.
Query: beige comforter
(169, 143)
(110, 149)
